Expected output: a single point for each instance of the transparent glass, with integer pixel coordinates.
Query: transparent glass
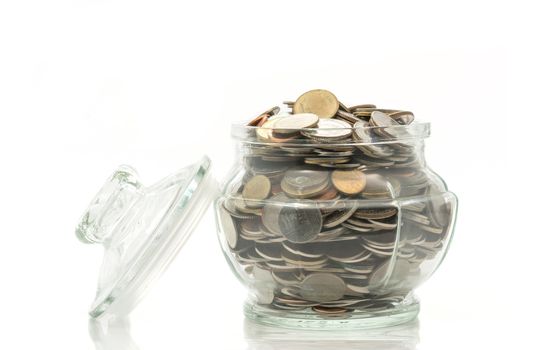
(328, 247)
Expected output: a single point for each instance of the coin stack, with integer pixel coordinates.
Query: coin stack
(334, 211)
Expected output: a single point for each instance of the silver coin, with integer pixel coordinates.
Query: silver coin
(387, 274)
(330, 129)
(322, 287)
(229, 227)
(270, 213)
(293, 124)
(300, 225)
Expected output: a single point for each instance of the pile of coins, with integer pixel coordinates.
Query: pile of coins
(334, 210)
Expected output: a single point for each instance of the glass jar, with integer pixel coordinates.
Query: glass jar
(333, 231)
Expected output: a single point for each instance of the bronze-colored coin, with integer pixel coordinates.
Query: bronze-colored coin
(320, 102)
(329, 310)
(256, 190)
(262, 118)
(349, 182)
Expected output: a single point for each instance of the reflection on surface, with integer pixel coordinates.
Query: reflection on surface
(112, 334)
(402, 337)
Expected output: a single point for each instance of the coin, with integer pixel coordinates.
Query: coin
(256, 190)
(349, 182)
(386, 273)
(320, 102)
(300, 225)
(228, 227)
(377, 186)
(375, 213)
(262, 118)
(270, 212)
(295, 123)
(265, 132)
(330, 129)
(303, 183)
(322, 287)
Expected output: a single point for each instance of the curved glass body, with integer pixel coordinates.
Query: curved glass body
(331, 233)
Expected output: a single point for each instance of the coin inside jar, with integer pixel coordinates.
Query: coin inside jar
(256, 190)
(300, 225)
(322, 287)
(349, 182)
(320, 102)
(229, 227)
(304, 183)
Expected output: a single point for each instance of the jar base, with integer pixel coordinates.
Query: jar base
(308, 319)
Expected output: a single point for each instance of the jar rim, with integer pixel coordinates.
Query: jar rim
(381, 135)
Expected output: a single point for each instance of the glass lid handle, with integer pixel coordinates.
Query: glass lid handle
(112, 203)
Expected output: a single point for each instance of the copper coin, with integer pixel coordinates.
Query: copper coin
(349, 182)
(320, 102)
(256, 190)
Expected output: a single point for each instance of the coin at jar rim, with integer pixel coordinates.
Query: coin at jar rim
(265, 132)
(301, 181)
(294, 123)
(333, 129)
(321, 102)
(262, 118)
(322, 287)
(387, 126)
(403, 117)
(300, 225)
(256, 190)
(229, 227)
(349, 182)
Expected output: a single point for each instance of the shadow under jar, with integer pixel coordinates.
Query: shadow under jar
(333, 228)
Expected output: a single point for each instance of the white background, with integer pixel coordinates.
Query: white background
(88, 85)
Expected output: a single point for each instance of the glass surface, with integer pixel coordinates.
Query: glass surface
(346, 232)
(142, 229)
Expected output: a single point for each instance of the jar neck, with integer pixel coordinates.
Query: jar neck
(374, 155)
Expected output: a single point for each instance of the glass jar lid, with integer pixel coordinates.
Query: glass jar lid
(142, 229)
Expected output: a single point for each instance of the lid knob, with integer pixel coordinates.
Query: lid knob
(110, 205)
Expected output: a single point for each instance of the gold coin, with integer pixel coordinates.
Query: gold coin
(320, 102)
(256, 190)
(349, 182)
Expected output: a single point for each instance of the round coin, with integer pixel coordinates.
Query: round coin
(320, 102)
(330, 129)
(256, 190)
(294, 123)
(300, 225)
(349, 182)
(229, 227)
(301, 182)
(270, 213)
(265, 132)
(322, 287)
